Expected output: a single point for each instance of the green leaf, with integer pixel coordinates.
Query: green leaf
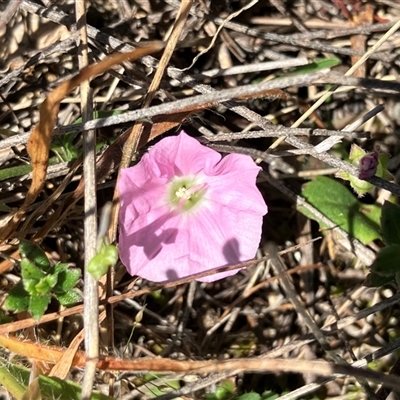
(390, 223)
(20, 170)
(51, 387)
(67, 280)
(46, 284)
(60, 267)
(337, 203)
(69, 298)
(31, 275)
(387, 262)
(153, 386)
(35, 254)
(101, 262)
(30, 271)
(270, 395)
(224, 391)
(249, 396)
(4, 208)
(17, 299)
(375, 280)
(64, 146)
(38, 304)
(317, 65)
(12, 172)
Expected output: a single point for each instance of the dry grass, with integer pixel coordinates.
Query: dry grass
(324, 312)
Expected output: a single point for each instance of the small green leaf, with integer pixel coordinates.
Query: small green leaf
(69, 298)
(30, 271)
(31, 275)
(317, 65)
(390, 223)
(4, 208)
(337, 203)
(17, 299)
(46, 284)
(153, 387)
(103, 260)
(270, 395)
(35, 254)
(67, 280)
(29, 285)
(19, 170)
(226, 389)
(38, 304)
(11, 172)
(64, 145)
(249, 396)
(358, 185)
(51, 387)
(60, 267)
(387, 262)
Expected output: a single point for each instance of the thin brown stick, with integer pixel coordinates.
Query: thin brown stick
(132, 143)
(91, 305)
(9, 12)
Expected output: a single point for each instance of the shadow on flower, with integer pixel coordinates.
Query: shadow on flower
(157, 241)
(231, 252)
(151, 242)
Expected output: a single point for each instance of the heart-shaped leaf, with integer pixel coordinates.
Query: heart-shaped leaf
(337, 203)
(390, 223)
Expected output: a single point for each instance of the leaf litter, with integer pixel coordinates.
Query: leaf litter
(249, 317)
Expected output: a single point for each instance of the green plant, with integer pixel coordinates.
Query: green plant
(386, 267)
(64, 145)
(336, 202)
(40, 281)
(225, 391)
(106, 257)
(15, 378)
(356, 157)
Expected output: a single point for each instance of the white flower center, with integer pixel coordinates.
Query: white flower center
(185, 193)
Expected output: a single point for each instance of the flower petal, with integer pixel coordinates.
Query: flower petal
(232, 184)
(172, 246)
(182, 155)
(140, 191)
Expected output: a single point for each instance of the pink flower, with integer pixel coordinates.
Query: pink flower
(184, 210)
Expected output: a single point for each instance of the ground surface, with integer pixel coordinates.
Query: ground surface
(251, 315)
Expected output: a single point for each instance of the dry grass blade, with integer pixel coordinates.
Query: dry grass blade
(9, 12)
(212, 43)
(40, 138)
(134, 138)
(322, 99)
(212, 97)
(321, 368)
(289, 288)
